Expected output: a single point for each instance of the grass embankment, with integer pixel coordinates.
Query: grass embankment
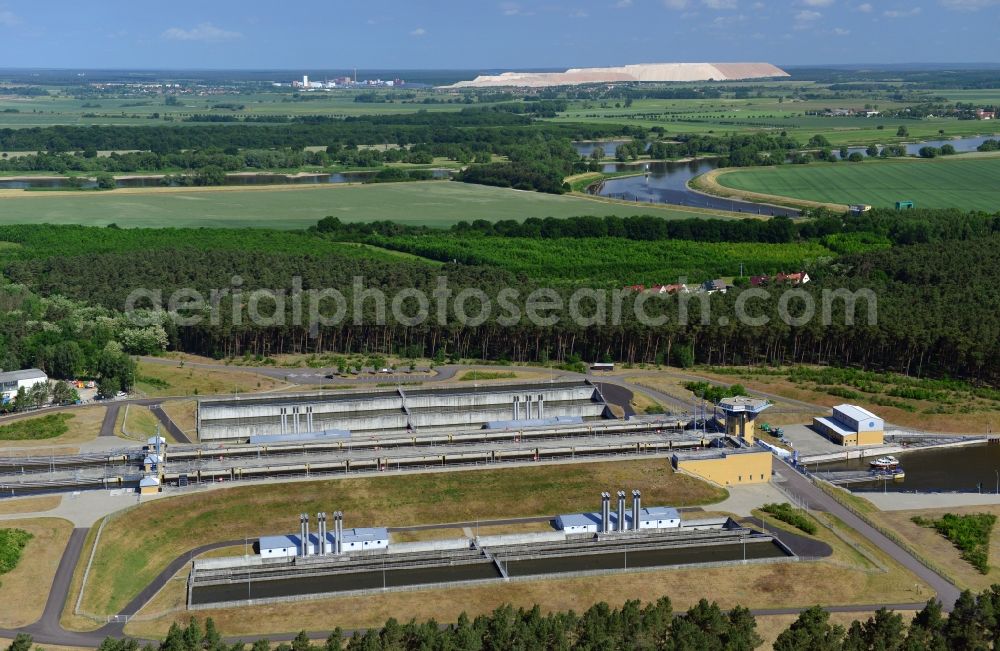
(29, 504)
(432, 203)
(49, 426)
(922, 403)
(28, 569)
(157, 380)
(967, 182)
(473, 376)
(848, 577)
(129, 558)
(64, 428)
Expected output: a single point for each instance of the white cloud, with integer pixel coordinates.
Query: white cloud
(623, 4)
(579, 13)
(676, 4)
(206, 32)
(865, 8)
(8, 18)
(817, 3)
(969, 5)
(901, 13)
(514, 9)
(840, 31)
(805, 19)
(420, 31)
(720, 4)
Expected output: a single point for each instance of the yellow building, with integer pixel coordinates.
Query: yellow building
(727, 467)
(741, 416)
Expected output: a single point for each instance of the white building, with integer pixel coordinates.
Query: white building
(655, 517)
(11, 381)
(354, 540)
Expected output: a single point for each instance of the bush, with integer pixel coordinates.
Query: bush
(12, 542)
(790, 515)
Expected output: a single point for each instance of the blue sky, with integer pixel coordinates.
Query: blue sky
(408, 34)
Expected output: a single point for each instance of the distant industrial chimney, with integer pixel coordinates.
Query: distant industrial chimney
(621, 510)
(636, 504)
(321, 522)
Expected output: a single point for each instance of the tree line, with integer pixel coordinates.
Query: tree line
(973, 624)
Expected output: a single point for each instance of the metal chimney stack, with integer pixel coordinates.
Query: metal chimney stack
(305, 536)
(321, 520)
(621, 510)
(605, 512)
(338, 532)
(303, 543)
(636, 503)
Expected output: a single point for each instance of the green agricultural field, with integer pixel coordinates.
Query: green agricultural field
(968, 182)
(611, 261)
(431, 203)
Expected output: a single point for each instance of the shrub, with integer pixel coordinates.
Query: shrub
(790, 515)
(12, 542)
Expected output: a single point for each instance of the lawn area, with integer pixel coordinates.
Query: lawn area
(158, 380)
(432, 203)
(966, 182)
(945, 554)
(24, 590)
(70, 426)
(129, 557)
(29, 504)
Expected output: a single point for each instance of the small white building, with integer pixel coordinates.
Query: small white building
(579, 522)
(354, 540)
(11, 381)
(659, 517)
(364, 538)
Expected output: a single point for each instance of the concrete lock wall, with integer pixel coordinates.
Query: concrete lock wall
(221, 419)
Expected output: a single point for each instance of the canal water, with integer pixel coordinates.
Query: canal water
(323, 584)
(968, 469)
(231, 180)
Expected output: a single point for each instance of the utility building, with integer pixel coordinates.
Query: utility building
(851, 425)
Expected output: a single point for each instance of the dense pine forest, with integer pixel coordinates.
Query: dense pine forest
(935, 274)
(973, 624)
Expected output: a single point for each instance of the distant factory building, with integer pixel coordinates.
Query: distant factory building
(11, 381)
(851, 425)
(323, 541)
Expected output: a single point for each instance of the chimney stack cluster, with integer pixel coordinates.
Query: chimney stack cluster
(622, 523)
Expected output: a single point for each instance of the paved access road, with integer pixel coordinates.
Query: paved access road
(809, 495)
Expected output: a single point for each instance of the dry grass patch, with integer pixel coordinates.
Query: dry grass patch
(5, 642)
(945, 554)
(184, 415)
(24, 590)
(129, 557)
(29, 505)
(84, 425)
(141, 423)
(755, 586)
(183, 380)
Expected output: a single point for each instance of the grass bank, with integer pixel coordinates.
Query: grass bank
(129, 557)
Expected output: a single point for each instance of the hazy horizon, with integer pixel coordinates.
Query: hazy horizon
(455, 35)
